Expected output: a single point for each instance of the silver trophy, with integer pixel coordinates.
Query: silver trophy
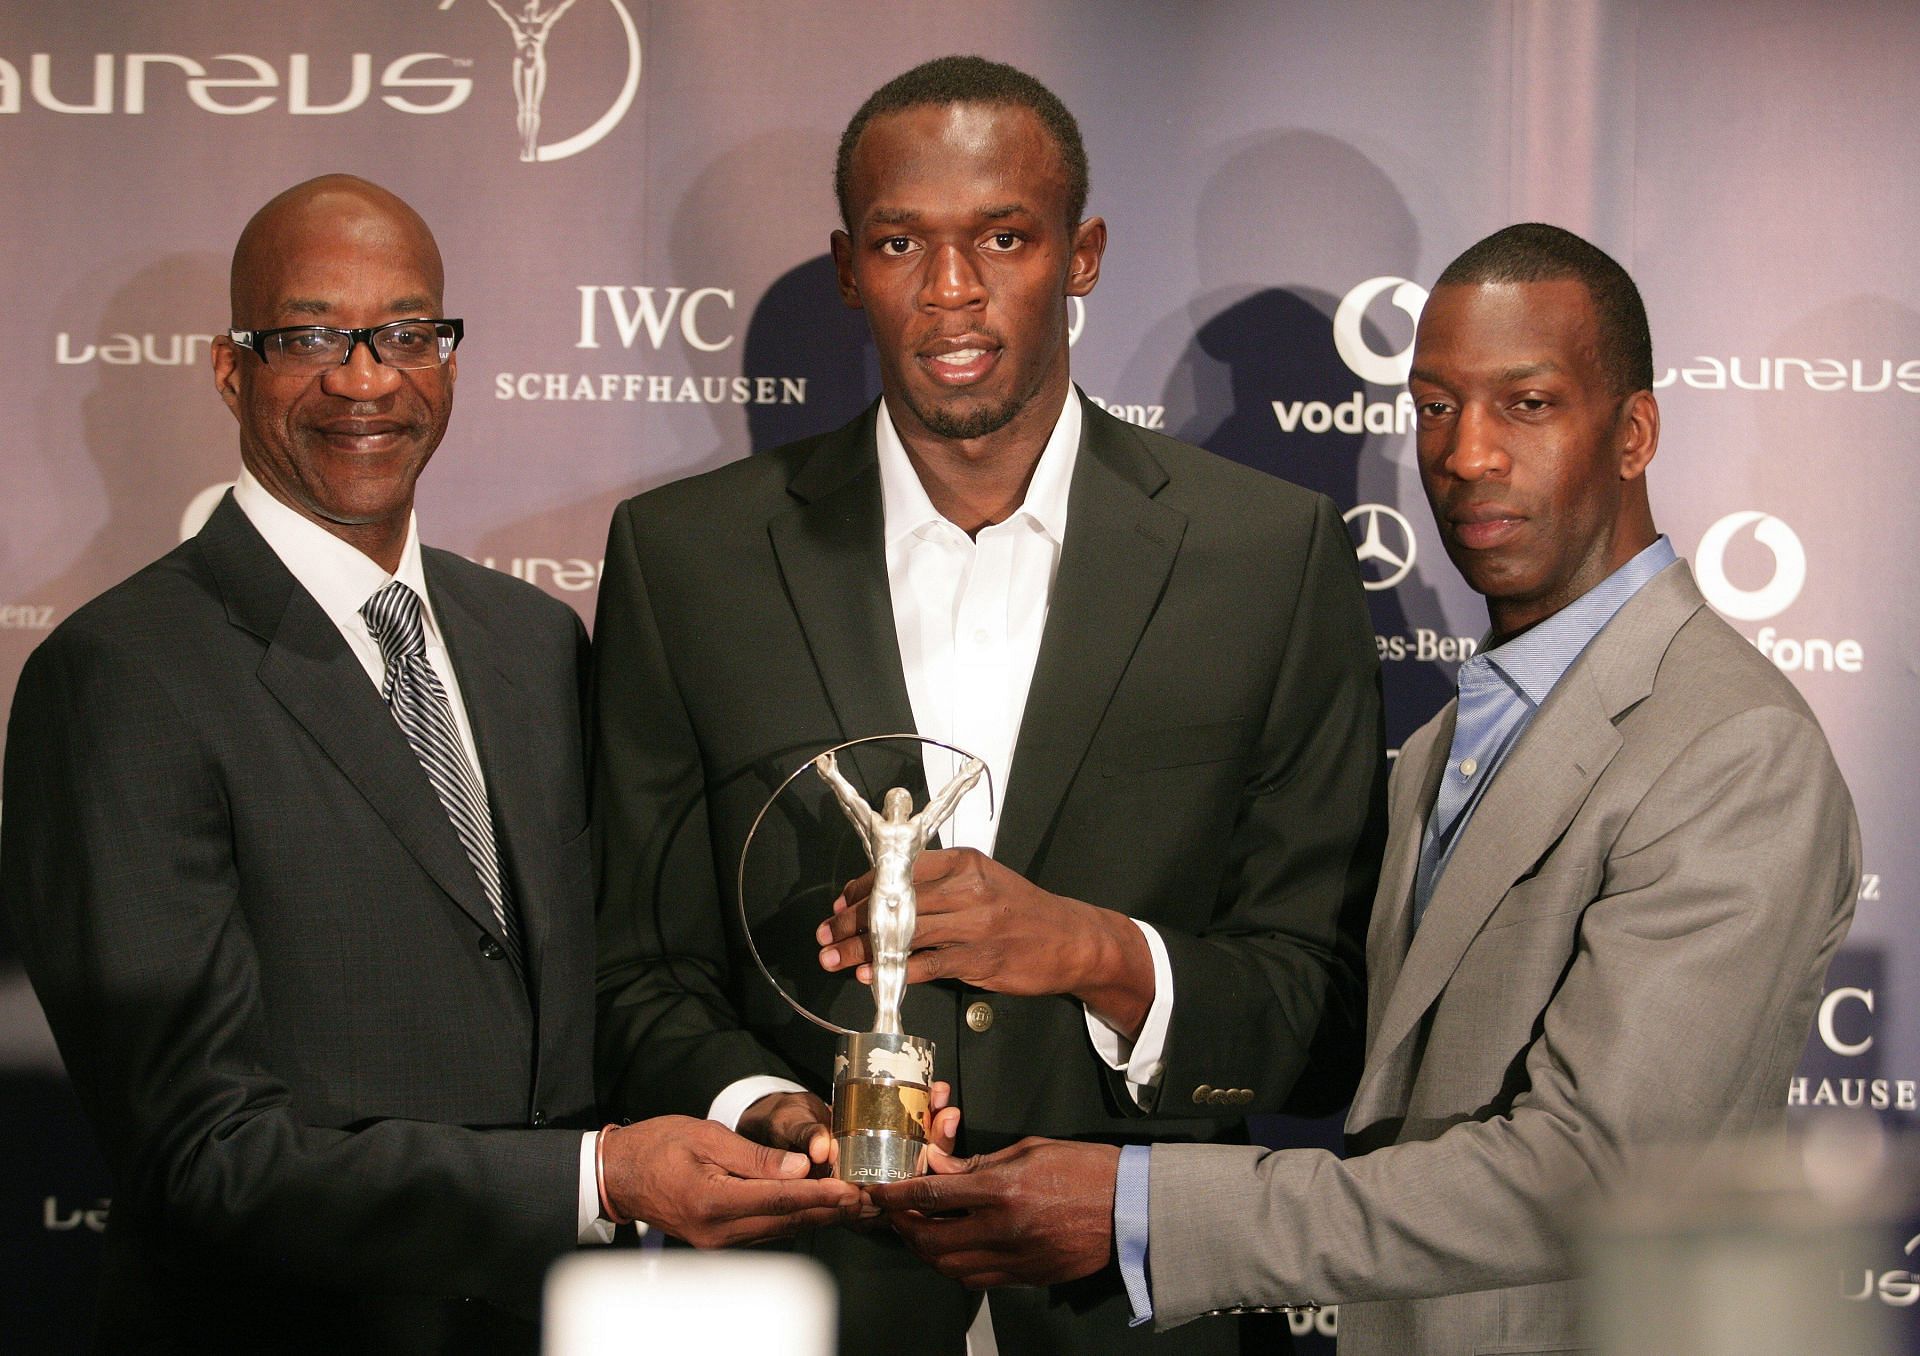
(882, 1079)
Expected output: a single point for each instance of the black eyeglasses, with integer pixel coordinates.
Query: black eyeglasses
(404, 344)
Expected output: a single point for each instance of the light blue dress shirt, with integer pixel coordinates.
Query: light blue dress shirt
(1500, 692)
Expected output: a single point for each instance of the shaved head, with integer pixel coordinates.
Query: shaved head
(334, 205)
(340, 445)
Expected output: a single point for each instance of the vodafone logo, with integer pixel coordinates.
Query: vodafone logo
(1357, 414)
(1382, 369)
(1773, 597)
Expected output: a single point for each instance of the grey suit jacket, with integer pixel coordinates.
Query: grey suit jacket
(1625, 951)
(325, 1096)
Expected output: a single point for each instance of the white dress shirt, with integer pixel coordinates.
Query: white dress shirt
(341, 578)
(968, 614)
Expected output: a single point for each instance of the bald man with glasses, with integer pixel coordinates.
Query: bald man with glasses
(296, 855)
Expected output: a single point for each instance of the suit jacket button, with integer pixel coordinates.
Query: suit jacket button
(491, 949)
(979, 1015)
(539, 1119)
(1203, 1095)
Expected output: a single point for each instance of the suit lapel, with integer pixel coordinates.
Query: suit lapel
(832, 555)
(1120, 548)
(1421, 763)
(311, 672)
(497, 708)
(1534, 796)
(1416, 781)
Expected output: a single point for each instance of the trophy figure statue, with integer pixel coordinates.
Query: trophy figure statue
(883, 1078)
(894, 842)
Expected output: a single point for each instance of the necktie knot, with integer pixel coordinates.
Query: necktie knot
(393, 619)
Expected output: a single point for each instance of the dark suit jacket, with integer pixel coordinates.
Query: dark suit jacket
(1200, 749)
(324, 1094)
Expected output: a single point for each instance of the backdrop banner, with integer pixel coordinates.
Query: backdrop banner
(634, 200)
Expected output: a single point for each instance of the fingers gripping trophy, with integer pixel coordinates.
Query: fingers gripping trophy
(881, 1078)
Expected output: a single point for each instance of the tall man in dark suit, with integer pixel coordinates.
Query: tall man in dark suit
(1616, 870)
(1163, 659)
(320, 962)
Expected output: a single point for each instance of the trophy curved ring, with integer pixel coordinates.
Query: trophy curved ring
(740, 878)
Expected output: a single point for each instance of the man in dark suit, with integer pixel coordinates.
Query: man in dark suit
(319, 963)
(1163, 659)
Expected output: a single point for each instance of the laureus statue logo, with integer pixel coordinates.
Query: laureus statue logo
(531, 23)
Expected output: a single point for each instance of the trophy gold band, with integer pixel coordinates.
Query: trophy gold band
(881, 1120)
(882, 1079)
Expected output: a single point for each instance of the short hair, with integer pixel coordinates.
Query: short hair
(969, 80)
(1533, 251)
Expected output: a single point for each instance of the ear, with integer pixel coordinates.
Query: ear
(226, 371)
(842, 245)
(1089, 244)
(1639, 433)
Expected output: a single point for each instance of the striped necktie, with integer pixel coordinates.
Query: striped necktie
(419, 703)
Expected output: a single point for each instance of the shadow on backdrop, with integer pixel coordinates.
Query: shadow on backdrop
(802, 327)
(1299, 205)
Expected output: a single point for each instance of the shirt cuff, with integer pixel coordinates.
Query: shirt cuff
(592, 1229)
(1145, 1061)
(1130, 1229)
(737, 1096)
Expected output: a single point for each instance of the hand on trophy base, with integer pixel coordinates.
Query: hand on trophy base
(791, 1120)
(801, 1122)
(1038, 1213)
(707, 1186)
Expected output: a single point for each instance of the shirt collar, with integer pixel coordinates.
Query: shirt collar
(1539, 657)
(906, 509)
(339, 576)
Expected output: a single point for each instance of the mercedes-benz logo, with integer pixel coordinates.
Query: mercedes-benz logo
(1393, 549)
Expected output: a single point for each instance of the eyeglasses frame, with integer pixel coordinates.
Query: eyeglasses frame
(256, 340)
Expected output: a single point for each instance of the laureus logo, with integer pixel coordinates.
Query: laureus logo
(531, 23)
(1781, 589)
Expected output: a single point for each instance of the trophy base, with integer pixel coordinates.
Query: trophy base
(881, 1107)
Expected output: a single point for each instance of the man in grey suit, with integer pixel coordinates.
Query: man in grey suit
(1617, 867)
(296, 854)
